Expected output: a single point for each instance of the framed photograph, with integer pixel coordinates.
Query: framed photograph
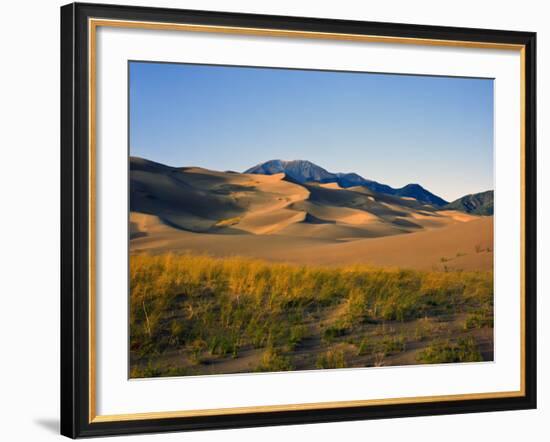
(273, 220)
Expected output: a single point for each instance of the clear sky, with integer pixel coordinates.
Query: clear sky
(395, 129)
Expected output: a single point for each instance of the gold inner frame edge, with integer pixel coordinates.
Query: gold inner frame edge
(93, 24)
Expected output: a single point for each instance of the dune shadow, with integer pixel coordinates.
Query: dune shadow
(311, 219)
(400, 222)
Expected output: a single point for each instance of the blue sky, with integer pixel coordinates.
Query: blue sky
(395, 129)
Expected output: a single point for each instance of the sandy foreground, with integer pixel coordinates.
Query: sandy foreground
(194, 210)
(465, 246)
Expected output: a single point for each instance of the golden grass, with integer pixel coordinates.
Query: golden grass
(206, 307)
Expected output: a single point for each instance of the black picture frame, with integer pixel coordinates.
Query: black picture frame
(75, 221)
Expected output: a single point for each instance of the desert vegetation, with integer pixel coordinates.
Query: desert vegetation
(195, 315)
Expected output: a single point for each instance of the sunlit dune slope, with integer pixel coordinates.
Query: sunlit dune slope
(275, 218)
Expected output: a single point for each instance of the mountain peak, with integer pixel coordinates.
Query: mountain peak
(299, 170)
(476, 203)
(303, 171)
(413, 186)
(419, 193)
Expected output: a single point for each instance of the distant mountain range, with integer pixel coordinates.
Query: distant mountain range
(476, 204)
(304, 171)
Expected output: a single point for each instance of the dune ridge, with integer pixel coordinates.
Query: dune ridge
(273, 217)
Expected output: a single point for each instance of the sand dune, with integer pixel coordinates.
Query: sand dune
(200, 200)
(464, 246)
(331, 186)
(271, 217)
(271, 221)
